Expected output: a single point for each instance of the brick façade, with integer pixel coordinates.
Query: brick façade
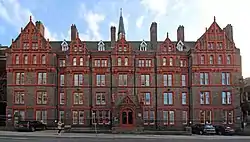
(191, 53)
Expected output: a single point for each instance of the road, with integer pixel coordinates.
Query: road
(100, 139)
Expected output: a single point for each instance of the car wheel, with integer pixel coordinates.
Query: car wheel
(32, 129)
(200, 132)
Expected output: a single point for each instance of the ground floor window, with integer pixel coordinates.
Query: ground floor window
(205, 116)
(78, 117)
(184, 117)
(168, 117)
(149, 117)
(101, 117)
(227, 116)
(41, 115)
(61, 116)
(19, 115)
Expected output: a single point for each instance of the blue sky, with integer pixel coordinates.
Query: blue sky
(93, 18)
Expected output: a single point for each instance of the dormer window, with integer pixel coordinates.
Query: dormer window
(180, 46)
(169, 48)
(64, 46)
(101, 46)
(143, 46)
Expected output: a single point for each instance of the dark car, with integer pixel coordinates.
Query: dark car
(224, 130)
(30, 126)
(203, 129)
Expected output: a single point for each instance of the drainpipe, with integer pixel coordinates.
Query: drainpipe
(56, 89)
(111, 91)
(91, 87)
(156, 91)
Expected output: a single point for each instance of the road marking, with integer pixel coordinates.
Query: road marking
(14, 138)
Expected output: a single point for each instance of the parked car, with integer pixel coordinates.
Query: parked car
(224, 130)
(203, 129)
(30, 126)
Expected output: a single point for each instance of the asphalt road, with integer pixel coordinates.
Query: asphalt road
(181, 139)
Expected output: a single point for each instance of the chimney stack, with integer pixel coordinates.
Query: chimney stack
(153, 34)
(113, 36)
(40, 27)
(180, 33)
(73, 32)
(229, 31)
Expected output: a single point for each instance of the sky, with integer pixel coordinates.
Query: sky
(93, 19)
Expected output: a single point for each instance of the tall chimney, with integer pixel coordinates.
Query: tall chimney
(40, 27)
(180, 33)
(112, 36)
(73, 32)
(229, 31)
(153, 34)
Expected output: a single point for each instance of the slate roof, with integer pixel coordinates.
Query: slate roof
(92, 45)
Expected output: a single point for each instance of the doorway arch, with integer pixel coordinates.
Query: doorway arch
(127, 117)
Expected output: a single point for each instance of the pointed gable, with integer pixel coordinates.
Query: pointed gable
(167, 45)
(64, 45)
(31, 32)
(101, 46)
(143, 46)
(214, 27)
(127, 101)
(78, 46)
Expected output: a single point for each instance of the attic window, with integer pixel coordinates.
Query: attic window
(143, 46)
(169, 48)
(64, 46)
(180, 46)
(101, 46)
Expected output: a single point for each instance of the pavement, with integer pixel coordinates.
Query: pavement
(51, 136)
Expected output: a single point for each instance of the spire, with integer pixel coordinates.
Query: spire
(121, 29)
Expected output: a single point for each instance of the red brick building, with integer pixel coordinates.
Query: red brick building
(138, 84)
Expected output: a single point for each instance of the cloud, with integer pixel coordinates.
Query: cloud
(139, 21)
(16, 15)
(93, 20)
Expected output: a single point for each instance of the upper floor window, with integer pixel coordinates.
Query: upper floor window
(183, 80)
(164, 61)
(43, 59)
(228, 59)
(42, 98)
(104, 63)
(25, 59)
(219, 59)
(126, 61)
(168, 98)
(100, 80)
(19, 97)
(100, 99)
(34, 59)
(62, 80)
(202, 59)
(123, 80)
(183, 98)
(101, 46)
(146, 98)
(62, 98)
(145, 63)
(17, 59)
(204, 78)
(78, 79)
(26, 46)
(171, 61)
(74, 61)
(42, 78)
(78, 98)
(226, 98)
(145, 80)
(62, 63)
(119, 61)
(225, 78)
(204, 98)
(167, 80)
(81, 61)
(20, 78)
(211, 59)
(220, 45)
(34, 46)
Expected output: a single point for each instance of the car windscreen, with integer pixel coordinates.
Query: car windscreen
(209, 126)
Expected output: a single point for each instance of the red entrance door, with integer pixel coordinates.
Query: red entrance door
(127, 117)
